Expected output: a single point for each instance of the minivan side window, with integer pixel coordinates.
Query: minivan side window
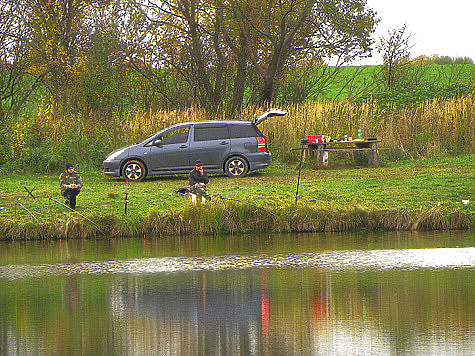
(208, 133)
(176, 136)
(241, 131)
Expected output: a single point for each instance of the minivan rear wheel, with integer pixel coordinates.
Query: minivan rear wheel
(236, 167)
(134, 171)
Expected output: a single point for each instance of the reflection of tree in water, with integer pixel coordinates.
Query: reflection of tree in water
(295, 310)
(203, 312)
(73, 291)
(404, 305)
(230, 311)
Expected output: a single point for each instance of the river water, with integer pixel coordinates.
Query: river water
(405, 293)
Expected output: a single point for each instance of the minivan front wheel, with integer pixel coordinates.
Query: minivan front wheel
(134, 171)
(236, 167)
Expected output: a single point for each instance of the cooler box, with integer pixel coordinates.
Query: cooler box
(315, 138)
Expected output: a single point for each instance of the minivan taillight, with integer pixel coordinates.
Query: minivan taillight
(261, 144)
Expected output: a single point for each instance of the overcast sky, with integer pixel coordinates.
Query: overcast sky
(446, 28)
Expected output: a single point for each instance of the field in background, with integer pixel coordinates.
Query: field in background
(352, 82)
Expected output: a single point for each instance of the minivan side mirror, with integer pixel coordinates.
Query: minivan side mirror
(158, 142)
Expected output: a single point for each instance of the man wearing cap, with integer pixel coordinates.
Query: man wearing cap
(198, 180)
(71, 184)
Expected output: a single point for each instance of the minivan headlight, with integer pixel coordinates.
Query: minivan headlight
(114, 155)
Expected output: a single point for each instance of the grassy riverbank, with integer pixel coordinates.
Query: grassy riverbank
(417, 195)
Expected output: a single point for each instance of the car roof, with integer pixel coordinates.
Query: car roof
(226, 122)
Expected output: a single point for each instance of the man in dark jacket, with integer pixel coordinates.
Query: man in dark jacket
(198, 180)
(71, 184)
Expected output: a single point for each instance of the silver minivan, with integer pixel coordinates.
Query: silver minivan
(231, 147)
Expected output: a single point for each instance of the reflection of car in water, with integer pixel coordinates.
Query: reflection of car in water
(196, 303)
(231, 147)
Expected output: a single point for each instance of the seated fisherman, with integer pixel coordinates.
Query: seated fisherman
(71, 184)
(198, 180)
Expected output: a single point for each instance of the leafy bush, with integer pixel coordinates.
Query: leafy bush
(49, 156)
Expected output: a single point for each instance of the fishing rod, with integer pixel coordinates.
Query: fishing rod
(126, 200)
(240, 201)
(29, 212)
(74, 211)
(300, 170)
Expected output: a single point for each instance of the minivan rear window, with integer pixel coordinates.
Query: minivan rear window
(208, 133)
(240, 131)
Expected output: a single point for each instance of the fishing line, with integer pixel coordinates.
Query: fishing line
(19, 204)
(240, 201)
(74, 211)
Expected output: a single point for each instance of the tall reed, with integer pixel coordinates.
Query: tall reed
(426, 129)
(231, 218)
(422, 130)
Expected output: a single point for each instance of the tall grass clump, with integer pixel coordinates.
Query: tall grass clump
(209, 219)
(421, 130)
(236, 218)
(426, 129)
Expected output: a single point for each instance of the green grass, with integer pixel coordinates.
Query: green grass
(331, 199)
(352, 81)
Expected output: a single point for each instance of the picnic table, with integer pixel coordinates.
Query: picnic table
(321, 150)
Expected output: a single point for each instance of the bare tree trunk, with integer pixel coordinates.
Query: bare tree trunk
(267, 91)
(239, 83)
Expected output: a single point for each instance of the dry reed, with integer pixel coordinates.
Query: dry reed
(439, 125)
(421, 130)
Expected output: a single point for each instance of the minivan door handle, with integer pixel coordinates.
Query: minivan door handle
(224, 143)
(183, 146)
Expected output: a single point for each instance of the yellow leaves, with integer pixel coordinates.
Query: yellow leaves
(17, 137)
(57, 38)
(421, 60)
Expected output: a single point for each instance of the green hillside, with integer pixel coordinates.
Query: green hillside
(354, 82)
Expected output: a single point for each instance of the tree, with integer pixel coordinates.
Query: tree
(185, 39)
(58, 41)
(395, 51)
(286, 33)
(14, 89)
(104, 84)
(217, 45)
(463, 60)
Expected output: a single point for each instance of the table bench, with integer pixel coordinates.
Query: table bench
(321, 149)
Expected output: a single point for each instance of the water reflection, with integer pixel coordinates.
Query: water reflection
(327, 302)
(297, 312)
(199, 313)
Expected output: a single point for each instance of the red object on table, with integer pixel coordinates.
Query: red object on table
(315, 138)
